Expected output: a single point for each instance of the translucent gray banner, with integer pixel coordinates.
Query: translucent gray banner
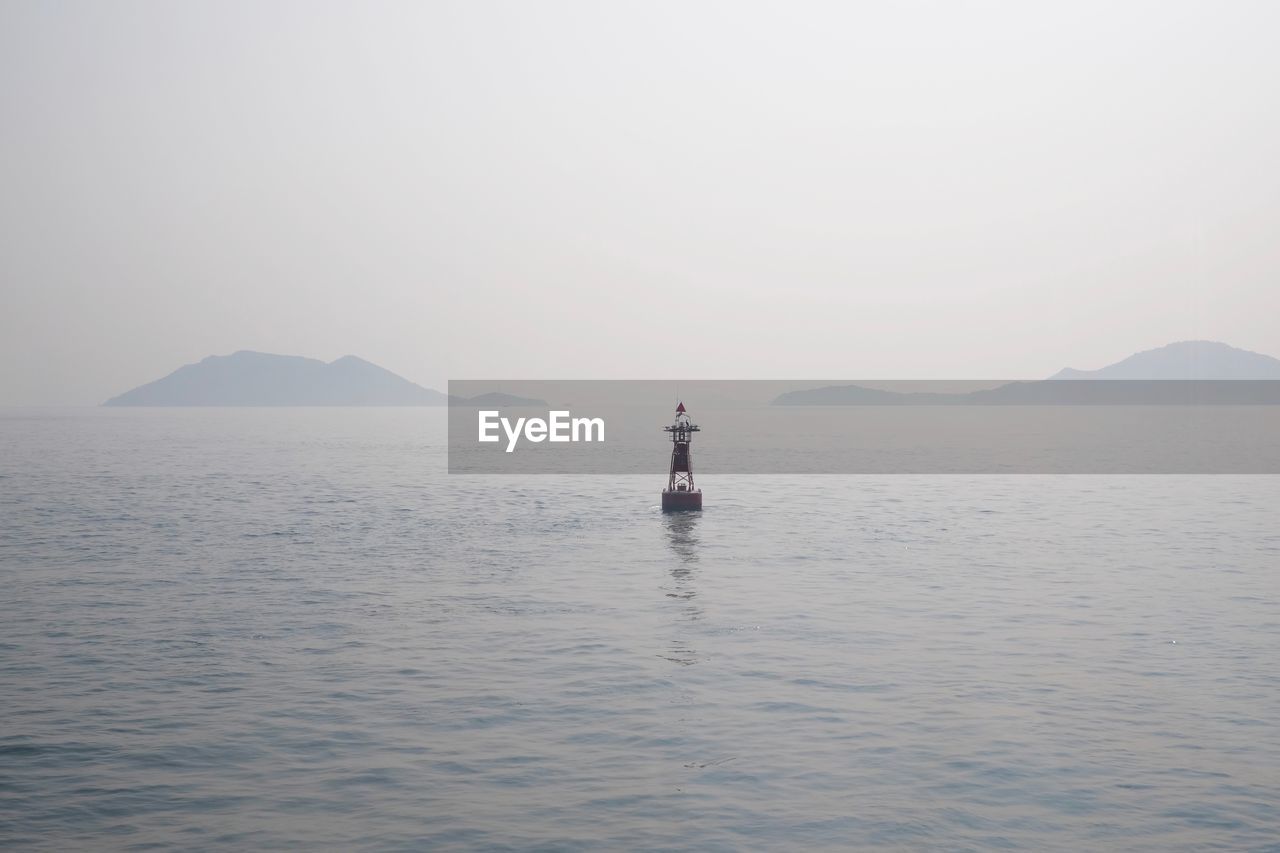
(520, 427)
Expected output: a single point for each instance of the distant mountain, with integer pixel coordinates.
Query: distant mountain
(1185, 360)
(1049, 392)
(260, 379)
(1149, 375)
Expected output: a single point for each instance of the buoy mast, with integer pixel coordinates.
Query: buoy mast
(681, 493)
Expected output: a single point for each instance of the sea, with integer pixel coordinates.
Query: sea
(252, 629)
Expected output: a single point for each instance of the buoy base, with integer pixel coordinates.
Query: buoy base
(681, 501)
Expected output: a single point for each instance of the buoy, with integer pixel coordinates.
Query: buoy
(681, 494)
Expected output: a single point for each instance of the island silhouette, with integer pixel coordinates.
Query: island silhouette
(1187, 372)
(1185, 360)
(247, 378)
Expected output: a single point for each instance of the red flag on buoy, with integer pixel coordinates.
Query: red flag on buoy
(680, 409)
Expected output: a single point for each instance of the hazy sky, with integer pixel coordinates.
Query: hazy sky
(632, 190)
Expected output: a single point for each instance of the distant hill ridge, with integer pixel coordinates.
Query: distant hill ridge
(1185, 360)
(1146, 372)
(247, 378)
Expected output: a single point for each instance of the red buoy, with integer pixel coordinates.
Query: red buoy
(681, 493)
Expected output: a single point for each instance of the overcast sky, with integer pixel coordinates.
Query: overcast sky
(632, 190)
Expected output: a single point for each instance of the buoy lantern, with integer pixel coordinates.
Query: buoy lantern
(680, 493)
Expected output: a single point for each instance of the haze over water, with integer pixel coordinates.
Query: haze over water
(266, 627)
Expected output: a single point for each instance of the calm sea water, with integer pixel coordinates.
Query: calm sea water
(269, 628)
